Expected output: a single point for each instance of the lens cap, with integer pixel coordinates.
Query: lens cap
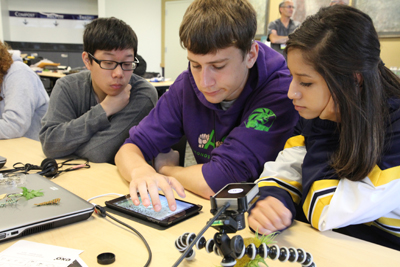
(106, 258)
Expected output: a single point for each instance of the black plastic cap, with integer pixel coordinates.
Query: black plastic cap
(106, 258)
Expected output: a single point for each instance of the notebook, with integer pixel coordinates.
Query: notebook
(24, 217)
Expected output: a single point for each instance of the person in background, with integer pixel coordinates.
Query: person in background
(23, 99)
(342, 166)
(142, 66)
(230, 104)
(278, 30)
(91, 112)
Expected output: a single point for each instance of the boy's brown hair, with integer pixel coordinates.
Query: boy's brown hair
(210, 25)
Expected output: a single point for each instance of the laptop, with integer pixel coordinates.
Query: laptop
(24, 217)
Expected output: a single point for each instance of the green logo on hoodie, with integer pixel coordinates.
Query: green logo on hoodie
(207, 140)
(261, 119)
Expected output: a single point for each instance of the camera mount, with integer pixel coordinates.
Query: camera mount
(236, 246)
(228, 207)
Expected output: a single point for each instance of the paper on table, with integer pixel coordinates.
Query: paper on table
(27, 253)
(81, 262)
(78, 263)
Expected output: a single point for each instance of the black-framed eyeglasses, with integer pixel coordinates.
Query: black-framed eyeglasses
(112, 65)
(289, 7)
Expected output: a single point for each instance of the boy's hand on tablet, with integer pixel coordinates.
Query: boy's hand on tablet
(148, 183)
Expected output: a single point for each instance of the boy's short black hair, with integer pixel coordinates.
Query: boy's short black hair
(109, 34)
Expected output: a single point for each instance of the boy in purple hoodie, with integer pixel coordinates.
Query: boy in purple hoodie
(231, 104)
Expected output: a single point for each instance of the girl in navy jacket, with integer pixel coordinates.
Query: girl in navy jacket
(341, 168)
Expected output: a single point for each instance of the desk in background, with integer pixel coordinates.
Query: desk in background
(49, 79)
(161, 87)
(51, 74)
(97, 235)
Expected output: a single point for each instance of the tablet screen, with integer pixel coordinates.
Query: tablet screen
(164, 213)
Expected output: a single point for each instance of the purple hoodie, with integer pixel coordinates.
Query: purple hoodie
(232, 144)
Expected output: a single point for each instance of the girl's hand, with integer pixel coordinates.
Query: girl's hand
(269, 215)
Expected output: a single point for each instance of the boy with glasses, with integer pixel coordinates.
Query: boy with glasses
(231, 105)
(278, 30)
(91, 112)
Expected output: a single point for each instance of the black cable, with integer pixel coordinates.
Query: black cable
(200, 234)
(68, 162)
(25, 168)
(103, 213)
(75, 166)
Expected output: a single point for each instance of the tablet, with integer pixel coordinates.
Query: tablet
(165, 217)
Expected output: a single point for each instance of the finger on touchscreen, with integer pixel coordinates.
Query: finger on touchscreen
(169, 194)
(167, 187)
(155, 199)
(144, 195)
(133, 194)
(179, 189)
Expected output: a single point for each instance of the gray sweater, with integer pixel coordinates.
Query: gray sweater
(24, 103)
(76, 124)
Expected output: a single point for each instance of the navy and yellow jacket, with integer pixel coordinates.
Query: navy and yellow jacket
(368, 209)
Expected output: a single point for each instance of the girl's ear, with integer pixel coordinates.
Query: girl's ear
(360, 79)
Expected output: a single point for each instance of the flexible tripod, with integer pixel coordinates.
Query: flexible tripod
(233, 248)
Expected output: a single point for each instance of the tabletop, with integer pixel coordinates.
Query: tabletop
(97, 235)
(51, 74)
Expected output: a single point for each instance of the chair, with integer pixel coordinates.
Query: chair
(181, 148)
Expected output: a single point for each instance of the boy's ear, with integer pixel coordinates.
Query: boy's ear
(252, 55)
(86, 60)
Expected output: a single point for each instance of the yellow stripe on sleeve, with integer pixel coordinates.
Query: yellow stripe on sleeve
(294, 141)
(319, 196)
(379, 177)
(389, 221)
(318, 208)
(272, 181)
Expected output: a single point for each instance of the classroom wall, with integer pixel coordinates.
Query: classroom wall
(390, 52)
(390, 47)
(163, 30)
(4, 21)
(144, 16)
(43, 30)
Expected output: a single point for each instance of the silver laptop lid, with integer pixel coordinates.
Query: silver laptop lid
(25, 213)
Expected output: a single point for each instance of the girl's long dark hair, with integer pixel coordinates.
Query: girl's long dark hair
(341, 43)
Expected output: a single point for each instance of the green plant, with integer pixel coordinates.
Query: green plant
(29, 194)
